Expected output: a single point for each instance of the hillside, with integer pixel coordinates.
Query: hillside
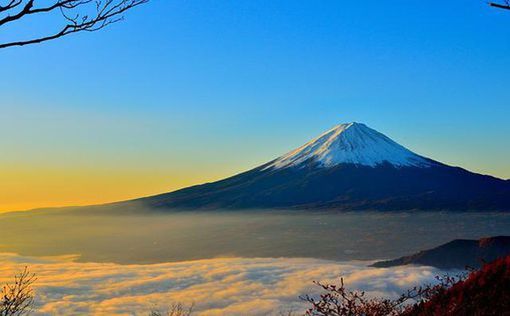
(456, 254)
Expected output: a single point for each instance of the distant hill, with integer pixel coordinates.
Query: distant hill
(350, 167)
(456, 254)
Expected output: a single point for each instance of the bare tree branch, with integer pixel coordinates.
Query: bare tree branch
(17, 298)
(505, 6)
(10, 5)
(74, 13)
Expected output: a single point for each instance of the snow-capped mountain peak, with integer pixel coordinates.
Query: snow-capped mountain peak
(351, 143)
(374, 173)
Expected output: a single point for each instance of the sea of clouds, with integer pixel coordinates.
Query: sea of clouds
(222, 286)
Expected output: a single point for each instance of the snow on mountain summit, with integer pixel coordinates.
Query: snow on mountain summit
(372, 173)
(351, 143)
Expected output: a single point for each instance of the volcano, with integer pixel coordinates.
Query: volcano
(349, 167)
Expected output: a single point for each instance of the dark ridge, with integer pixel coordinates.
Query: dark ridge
(456, 254)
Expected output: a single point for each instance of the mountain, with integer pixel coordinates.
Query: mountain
(456, 254)
(350, 167)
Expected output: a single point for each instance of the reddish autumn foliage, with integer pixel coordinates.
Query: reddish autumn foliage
(484, 292)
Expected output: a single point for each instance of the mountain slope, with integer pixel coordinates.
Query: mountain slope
(347, 168)
(457, 254)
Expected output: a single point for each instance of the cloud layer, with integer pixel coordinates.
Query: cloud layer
(224, 286)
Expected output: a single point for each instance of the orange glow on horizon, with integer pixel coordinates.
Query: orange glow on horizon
(29, 188)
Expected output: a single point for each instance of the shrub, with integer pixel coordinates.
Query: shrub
(481, 292)
(18, 297)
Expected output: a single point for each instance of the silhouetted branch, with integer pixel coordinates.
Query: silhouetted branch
(18, 297)
(505, 6)
(337, 300)
(10, 5)
(74, 12)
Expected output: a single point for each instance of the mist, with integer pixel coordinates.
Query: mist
(147, 236)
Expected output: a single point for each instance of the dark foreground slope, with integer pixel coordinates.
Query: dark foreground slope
(459, 253)
(485, 292)
(481, 292)
(345, 187)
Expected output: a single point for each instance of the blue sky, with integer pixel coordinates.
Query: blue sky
(190, 91)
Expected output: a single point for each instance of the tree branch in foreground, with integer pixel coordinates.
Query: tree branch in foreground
(79, 15)
(17, 298)
(505, 6)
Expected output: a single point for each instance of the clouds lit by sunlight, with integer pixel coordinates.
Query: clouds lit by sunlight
(233, 286)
